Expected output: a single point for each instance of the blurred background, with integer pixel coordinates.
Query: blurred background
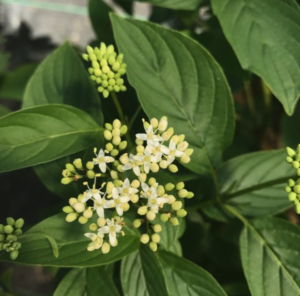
(31, 29)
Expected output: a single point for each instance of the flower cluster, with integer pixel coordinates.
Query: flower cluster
(106, 68)
(127, 185)
(9, 237)
(293, 187)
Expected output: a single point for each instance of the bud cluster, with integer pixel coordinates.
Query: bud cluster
(293, 186)
(106, 69)
(152, 203)
(9, 237)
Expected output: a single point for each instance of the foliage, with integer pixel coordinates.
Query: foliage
(188, 191)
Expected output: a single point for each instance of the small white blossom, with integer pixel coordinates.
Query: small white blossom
(149, 136)
(112, 228)
(126, 189)
(99, 206)
(94, 194)
(154, 200)
(171, 152)
(119, 201)
(102, 160)
(132, 164)
(147, 158)
(97, 241)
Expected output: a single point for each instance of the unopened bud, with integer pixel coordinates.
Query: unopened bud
(164, 217)
(107, 135)
(8, 229)
(78, 163)
(182, 193)
(123, 129)
(123, 145)
(10, 221)
(173, 168)
(82, 220)
(174, 221)
(290, 152)
(137, 223)
(142, 210)
(116, 140)
(117, 123)
(181, 213)
(151, 215)
(68, 209)
(14, 255)
(105, 248)
(101, 222)
(71, 217)
(88, 213)
(157, 228)
(79, 207)
(177, 205)
(153, 246)
(169, 186)
(66, 181)
(145, 238)
(155, 238)
(93, 227)
(19, 223)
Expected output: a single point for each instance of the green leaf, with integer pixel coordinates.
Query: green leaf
(3, 111)
(182, 81)
(175, 4)
(4, 59)
(141, 274)
(91, 281)
(270, 257)
(165, 274)
(255, 182)
(99, 283)
(73, 284)
(44, 133)
(255, 29)
(99, 16)
(186, 278)
(13, 84)
(72, 245)
(62, 79)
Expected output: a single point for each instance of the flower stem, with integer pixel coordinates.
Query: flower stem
(138, 110)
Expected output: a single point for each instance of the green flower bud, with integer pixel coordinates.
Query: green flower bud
(70, 168)
(120, 81)
(117, 124)
(296, 164)
(290, 152)
(90, 174)
(154, 167)
(82, 220)
(11, 237)
(116, 140)
(105, 248)
(124, 129)
(169, 186)
(91, 71)
(105, 95)
(101, 222)
(89, 49)
(297, 189)
(2, 237)
(288, 189)
(107, 135)
(292, 196)
(123, 145)
(93, 77)
(177, 205)
(98, 73)
(8, 229)
(291, 182)
(19, 223)
(114, 174)
(174, 221)
(108, 126)
(88, 213)
(164, 217)
(10, 221)
(100, 89)
(116, 88)
(190, 194)
(145, 238)
(68, 209)
(157, 228)
(111, 60)
(180, 185)
(289, 159)
(112, 82)
(151, 215)
(181, 213)
(155, 238)
(110, 74)
(85, 56)
(116, 66)
(114, 152)
(71, 217)
(93, 227)
(123, 88)
(182, 193)
(66, 181)
(137, 223)
(142, 210)
(89, 165)
(14, 255)
(171, 199)
(18, 232)
(104, 77)
(78, 163)
(153, 246)
(160, 190)
(122, 71)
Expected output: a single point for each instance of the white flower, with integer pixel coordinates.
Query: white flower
(99, 206)
(97, 241)
(171, 152)
(154, 201)
(147, 158)
(150, 136)
(119, 201)
(102, 160)
(113, 227)
(94, 194)
(132, 164)
(126, 189)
